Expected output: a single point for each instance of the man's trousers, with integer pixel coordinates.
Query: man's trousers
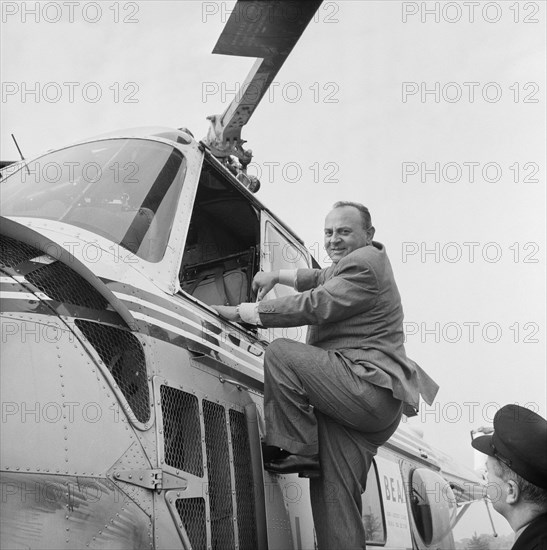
(315, 404)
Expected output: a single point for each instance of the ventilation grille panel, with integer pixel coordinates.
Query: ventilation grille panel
(64, 285)
(123, 355)
(228, 519)
(218, 466)
(13, 253)
(246, 522)
(192, 515)
(181, 430)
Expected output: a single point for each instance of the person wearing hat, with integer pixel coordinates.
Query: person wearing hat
(516, 470)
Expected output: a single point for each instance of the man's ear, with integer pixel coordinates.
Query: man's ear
(370, 234)
(513, 492)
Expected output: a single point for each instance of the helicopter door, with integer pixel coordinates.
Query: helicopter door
(280, 250)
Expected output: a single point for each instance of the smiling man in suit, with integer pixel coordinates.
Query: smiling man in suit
(330, 403)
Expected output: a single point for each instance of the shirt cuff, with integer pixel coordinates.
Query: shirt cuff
(287, 277)
(248, 311)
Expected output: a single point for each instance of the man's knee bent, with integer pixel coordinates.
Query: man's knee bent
(278, 354)
(278, 349)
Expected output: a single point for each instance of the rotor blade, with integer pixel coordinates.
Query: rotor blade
(238, 113)
(268, 30)
(265, 28)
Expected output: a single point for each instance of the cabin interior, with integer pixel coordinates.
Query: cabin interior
(221, 253)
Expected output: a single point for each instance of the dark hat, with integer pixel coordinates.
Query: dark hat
(519, 441)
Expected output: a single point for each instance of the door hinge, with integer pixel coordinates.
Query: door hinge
(155, 479)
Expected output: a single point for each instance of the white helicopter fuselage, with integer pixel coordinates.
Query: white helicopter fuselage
(132, 413)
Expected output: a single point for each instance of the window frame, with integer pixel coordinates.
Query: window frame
(374, 469)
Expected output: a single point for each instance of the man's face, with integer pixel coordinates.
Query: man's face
(496, 488)
(344, 232)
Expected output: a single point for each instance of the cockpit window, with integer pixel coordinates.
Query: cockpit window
(125, 190)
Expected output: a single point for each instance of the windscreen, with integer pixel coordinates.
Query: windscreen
(125, 190)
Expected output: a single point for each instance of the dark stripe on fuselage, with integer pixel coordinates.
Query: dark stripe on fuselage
(235, 351)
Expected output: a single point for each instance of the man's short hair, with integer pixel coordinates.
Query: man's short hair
(528, 491)
(365, 214)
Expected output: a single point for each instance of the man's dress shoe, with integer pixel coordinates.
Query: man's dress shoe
(304, 466)
(271, 453)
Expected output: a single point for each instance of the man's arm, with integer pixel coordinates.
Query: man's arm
(300, 279)
(307, 279)
(263, 282)
(352, 290)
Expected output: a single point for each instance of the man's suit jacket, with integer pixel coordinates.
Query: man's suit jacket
(354, 308)
(534, 537)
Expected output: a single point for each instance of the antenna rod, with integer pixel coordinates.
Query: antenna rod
(20, 153)
(17, 145)
(491, 520)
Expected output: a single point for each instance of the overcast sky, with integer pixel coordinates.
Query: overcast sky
(435, 119)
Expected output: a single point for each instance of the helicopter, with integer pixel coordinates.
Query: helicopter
(132, 412)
